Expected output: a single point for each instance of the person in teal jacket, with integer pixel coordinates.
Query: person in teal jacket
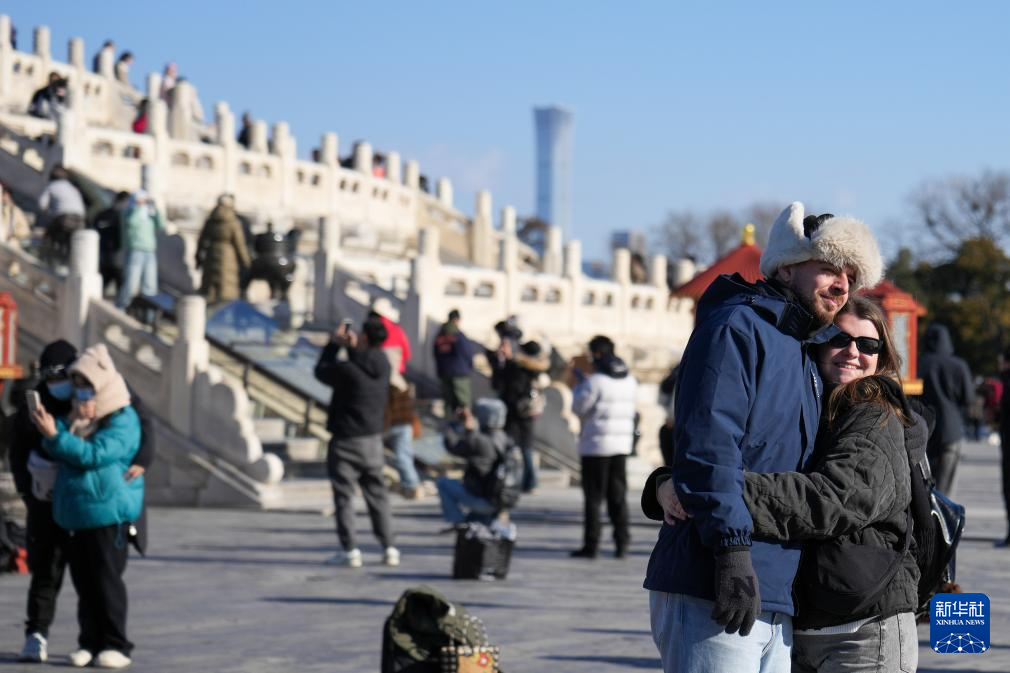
(139, 229)
(95, 500)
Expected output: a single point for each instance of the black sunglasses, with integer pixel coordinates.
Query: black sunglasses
(865, 345)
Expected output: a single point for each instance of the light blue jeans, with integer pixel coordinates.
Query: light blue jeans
(690, 641)
(140, 272)
(401, 439)
(455, 498)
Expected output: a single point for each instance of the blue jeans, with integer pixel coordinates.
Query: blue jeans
(140, 272)
(690, 641)
(455, 498)
(401, 439)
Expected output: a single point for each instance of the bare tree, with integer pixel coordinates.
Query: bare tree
(959, 208)
(724, 232)
(679, 235)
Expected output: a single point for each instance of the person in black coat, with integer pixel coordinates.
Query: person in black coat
(356, 423)
(47, 551)
(948, 390)
(108, 223)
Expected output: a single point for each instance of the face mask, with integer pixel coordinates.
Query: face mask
(60, 390)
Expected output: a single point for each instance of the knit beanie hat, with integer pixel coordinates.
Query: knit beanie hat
(111, 393)
(56, 357)
(839, 241)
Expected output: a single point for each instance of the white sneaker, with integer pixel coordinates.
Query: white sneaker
(391, 557)
(112, 659)
(35, 649)
(351, 559)
(79, 658)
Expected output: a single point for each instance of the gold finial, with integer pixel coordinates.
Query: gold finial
(748, 235)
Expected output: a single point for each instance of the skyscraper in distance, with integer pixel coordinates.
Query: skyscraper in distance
(553, 125)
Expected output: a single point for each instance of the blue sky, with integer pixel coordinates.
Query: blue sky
(677, 105)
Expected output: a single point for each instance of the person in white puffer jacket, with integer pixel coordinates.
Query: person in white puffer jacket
(605, 403)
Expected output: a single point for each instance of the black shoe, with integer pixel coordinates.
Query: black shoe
(620, 552)
(584, 552)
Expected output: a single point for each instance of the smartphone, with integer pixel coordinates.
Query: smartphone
(347, 324)
(33, 400)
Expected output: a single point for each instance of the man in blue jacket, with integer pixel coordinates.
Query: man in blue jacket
(749, 398)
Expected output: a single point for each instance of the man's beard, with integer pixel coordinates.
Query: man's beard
(822, 315)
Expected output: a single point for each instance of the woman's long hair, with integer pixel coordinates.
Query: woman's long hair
(869, 389)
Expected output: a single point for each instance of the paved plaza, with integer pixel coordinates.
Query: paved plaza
(247, 591)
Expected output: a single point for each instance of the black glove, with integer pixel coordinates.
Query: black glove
(737, 597)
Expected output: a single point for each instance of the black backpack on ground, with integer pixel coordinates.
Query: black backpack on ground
(424, 621)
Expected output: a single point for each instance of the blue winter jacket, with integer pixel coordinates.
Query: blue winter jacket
(90, 491)
(453, 352)
(748, 398)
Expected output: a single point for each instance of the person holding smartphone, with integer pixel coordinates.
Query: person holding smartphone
(356, 422)
(95, 444)
(47, 557)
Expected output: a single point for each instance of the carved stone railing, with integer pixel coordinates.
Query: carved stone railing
(197, 406)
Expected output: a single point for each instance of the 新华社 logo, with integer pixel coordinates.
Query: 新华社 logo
(959, 623)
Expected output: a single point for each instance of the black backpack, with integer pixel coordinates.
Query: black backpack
(938, 523)
(505, 480)
(424, 621)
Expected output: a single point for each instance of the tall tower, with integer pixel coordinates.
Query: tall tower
(554, 166)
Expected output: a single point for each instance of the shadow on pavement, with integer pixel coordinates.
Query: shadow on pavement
(629, 662)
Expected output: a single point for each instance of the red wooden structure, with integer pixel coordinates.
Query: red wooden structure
(9, 368)
(744, 259)
(903, 314)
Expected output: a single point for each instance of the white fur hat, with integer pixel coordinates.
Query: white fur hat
(839, 241)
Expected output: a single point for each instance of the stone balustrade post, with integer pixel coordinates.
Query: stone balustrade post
(43, 48)
(284, 148)
(573, 274)
(329, 150)
(443, 190)
(683, 270)
(258, 136)
(107, 63)
(480, 231)
(157, 123)
(225, 119)
(6, 53)
(621, 274)
(553, 252)
(75, 53)
(5, 33)
(325, 265)
(393, 167)
(657, 272)
(190, 356)
(152, 87)
(180, 122)
(363, 158)
(283, 144)
(412, 175)
(425, 295)
(508, 259)
(83, 283)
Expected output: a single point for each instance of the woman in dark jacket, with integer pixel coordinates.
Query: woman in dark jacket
(851, 508)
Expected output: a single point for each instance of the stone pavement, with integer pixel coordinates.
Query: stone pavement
(247, 591)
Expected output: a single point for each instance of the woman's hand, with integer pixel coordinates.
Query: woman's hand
(45, 422)
(133, 472)
(668, 500)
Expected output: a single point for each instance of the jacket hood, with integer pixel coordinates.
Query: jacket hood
(612, 366)
(768, 302)
(111, 394)
(937, 340)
